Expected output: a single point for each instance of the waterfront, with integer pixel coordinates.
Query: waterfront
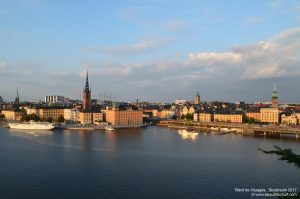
(152, 162)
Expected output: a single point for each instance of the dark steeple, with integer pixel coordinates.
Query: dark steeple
(17, 100)
(87, 87)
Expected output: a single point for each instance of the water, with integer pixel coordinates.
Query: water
(155, 162)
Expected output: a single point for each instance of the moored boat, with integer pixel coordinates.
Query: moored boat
(32, 125)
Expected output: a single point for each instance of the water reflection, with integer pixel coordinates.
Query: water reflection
(188, 135)
(30, 133)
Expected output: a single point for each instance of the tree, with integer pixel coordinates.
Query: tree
(49, 119)
(29, 117)
(284, 155)
(61, 119)
(2, 116)
(182, 117)
(189, 116)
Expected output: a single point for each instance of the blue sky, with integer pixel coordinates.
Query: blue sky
(158, 50)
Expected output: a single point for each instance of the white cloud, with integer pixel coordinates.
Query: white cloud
(132, 49)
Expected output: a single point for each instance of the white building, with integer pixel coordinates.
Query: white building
(54, 99)
(71, 115)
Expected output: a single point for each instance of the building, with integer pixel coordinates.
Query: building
(254, 114)
(85, 117)
(71, 115)
(197, 99)
(203, 117)
(187, 110)
(167, 113)
(124, 117)
(289, 119)
(180, 101)
(275, 100)
(54, 99)
(12, 115)
(87, 101)
(234, 118)
(270, 115)
(47, 112)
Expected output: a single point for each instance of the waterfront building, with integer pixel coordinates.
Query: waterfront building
(47, 112)
(197, 99)
(270, 115)
(86, 101)
(289, 119)
(54, 99)
(50, 112)
(123, 117)
(205, 117)
(254, 114)
(275, 100)
(166, 113)
(12, 115)
(186, 110)
(85, 117)
(234, 118)
(71, 115)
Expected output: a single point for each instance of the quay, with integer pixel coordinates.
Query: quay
(241, 128)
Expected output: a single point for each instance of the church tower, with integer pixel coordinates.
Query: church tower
(17, 99)
(197, 99)
(87, 101)
(275, 101)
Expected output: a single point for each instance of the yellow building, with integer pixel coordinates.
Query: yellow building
(291, 119)
(85, 118)
(270, 115)
(11, 115)
(53, 113)
(45, 113)
(256, 115)
(166, 113)
(187, 110)
(124, 117)
(234, 118)
(205, 117)
(97, 117)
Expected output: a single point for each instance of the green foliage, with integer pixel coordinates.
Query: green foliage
(61, 118)
(285, 155)
(23, 111)
(182, 117)
(29, 117)
(189, 116)
(49, 119)
(2, 116)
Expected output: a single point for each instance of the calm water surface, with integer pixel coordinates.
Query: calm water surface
(154, 162)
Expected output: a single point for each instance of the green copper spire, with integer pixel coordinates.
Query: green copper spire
(274, 93)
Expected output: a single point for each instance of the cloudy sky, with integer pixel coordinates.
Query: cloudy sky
(155, 50)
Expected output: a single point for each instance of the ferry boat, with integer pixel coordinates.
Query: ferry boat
(32, 125)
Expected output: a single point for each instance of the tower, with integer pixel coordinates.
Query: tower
(17, 100)
(86, 100)
(275, 102)
(197, 98)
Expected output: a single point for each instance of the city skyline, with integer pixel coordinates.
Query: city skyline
(227, 52)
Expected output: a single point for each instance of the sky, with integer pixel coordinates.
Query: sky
(154, 50)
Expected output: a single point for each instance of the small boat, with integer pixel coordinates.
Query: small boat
(109, 128)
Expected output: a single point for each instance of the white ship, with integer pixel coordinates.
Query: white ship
(32, 125)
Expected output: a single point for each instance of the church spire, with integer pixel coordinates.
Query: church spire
(87, 87)
(274, 87)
